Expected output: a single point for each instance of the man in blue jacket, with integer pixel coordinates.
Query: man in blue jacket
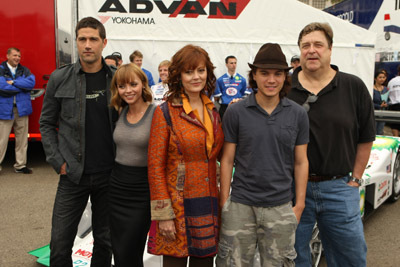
(230, 86)
(16, 83)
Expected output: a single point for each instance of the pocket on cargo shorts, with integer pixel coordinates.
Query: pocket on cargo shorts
(224, 256)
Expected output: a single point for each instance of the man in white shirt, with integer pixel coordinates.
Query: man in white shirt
(394, 99)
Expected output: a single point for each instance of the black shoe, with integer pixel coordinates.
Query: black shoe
(24, 170)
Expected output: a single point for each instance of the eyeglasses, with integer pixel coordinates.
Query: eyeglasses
(310, 99)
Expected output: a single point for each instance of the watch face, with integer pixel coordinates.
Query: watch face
(358, 181)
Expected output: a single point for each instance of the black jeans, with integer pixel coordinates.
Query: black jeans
(70, 202)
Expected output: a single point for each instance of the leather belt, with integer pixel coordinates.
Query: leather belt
(321, 178)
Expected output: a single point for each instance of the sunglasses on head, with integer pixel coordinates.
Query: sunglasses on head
(310, 99)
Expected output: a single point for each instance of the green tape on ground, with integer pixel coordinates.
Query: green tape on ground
(43, 255)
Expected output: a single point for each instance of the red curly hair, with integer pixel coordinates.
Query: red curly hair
(189, 57)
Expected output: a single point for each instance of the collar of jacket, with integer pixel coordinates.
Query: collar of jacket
(177, 103)
(7, 71)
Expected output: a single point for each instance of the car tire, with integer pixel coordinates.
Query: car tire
(315, 247)
(396, 180)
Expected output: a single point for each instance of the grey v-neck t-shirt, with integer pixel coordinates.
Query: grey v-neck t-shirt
(132, 139)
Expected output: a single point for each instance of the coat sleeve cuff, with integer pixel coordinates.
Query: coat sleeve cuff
(162, 210)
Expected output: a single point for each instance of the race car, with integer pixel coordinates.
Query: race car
(380, 182)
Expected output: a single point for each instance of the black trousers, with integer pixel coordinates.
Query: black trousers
(70, 202)
(129, 202)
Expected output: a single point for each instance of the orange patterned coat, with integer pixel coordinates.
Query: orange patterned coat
(183, 183)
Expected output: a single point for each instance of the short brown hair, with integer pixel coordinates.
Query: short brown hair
(135, 53)
(188, 58)
(9, 50)
(124, 74)
(286, 85)
(90, 22)
(325, 28)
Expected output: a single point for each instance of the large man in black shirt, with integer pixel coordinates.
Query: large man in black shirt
(81, 150)
(342, 130)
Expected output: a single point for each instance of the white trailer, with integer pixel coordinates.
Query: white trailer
(158, 28)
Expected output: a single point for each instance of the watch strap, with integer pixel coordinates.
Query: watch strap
(354, 179)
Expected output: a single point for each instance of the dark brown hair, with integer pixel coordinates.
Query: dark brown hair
(90, 22)
(229, 57)
(135, 53)
(286, 85)
(189, 57)
(112, 57)
(380, 71)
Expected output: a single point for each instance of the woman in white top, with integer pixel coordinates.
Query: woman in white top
(161, 88)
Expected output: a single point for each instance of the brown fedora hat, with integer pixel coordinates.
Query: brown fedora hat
(270, 56)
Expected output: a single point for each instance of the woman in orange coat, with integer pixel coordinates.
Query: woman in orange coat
(185, 140)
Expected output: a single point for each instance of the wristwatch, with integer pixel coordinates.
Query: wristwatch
(354, 179)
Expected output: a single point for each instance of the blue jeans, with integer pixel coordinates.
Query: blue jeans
(335, 206)
(70, 202)
(379, 127)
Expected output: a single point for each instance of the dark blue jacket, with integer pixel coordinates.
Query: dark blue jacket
(24, 81)
(378, 98)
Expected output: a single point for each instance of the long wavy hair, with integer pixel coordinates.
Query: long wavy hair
(189, 57)
(123, 75)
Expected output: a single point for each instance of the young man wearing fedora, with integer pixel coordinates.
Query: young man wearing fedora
(266, 137)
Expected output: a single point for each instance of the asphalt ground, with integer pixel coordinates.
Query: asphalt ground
(26, 203)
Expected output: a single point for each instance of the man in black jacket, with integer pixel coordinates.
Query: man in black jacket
(76, 125)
